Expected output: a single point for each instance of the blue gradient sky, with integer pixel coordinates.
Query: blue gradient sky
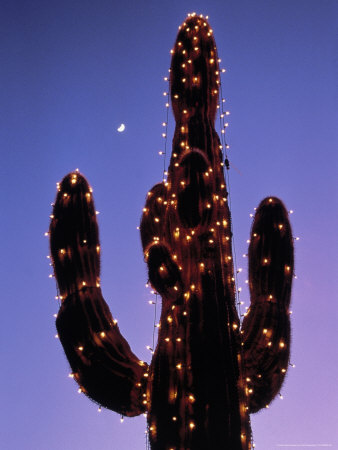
(70, 73)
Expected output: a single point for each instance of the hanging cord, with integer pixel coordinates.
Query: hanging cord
(155, 324)
(165, 134)
(164, 180)
(147, 439)
(225, 147)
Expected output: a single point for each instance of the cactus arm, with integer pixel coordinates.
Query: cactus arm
(266, 326)
(100, 358)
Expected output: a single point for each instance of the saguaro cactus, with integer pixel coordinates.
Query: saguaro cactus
(207, 373)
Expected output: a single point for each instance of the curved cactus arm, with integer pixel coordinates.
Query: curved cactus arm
(101, 360)
(266, 326)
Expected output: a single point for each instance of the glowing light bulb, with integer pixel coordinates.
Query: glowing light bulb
(192, 425)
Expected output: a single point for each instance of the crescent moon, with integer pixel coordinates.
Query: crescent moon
(121, 128)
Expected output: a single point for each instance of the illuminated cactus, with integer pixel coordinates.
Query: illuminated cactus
(207, 373)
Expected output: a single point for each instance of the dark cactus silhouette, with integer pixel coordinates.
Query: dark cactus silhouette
(207, 373)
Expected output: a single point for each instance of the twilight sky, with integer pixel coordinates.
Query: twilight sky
(70, 73)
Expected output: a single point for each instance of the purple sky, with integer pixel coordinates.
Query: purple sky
(71, 72)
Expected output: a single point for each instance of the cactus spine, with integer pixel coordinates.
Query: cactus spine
(208, 373)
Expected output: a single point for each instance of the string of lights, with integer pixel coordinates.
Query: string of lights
(223, 115)
(208, 372)
(183, 150)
